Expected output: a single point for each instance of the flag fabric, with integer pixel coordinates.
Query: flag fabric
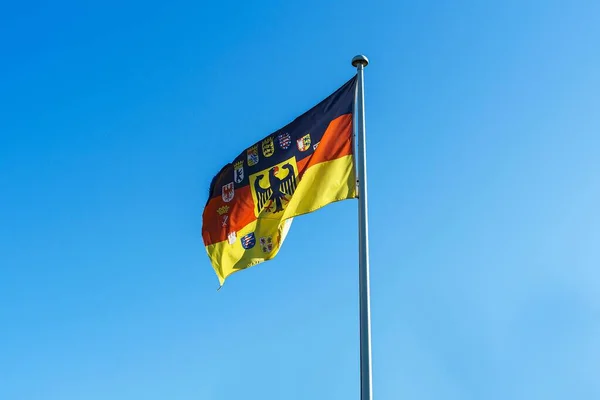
(296, 170)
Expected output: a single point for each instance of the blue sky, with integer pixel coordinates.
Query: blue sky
(483, 145)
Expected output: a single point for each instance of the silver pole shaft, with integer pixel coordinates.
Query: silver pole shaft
(366, 390)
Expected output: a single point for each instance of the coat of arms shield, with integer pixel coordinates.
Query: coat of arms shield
(227, 192)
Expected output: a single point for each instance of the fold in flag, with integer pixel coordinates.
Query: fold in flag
(293, 171)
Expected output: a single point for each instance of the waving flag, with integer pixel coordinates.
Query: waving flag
(293, 171)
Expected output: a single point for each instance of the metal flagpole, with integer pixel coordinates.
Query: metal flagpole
(366, 391)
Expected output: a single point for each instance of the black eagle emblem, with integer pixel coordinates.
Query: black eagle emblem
(279, 189)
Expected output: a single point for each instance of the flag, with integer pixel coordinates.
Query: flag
(293, 171)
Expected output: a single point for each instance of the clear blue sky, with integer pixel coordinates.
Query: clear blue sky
(483, 131)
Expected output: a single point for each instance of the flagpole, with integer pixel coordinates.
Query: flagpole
(366, 390)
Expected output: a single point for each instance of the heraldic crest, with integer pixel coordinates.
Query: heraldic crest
(273, 188)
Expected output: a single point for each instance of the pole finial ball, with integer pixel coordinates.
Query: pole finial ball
(360, 60)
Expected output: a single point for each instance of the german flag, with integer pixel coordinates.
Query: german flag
(296, 170)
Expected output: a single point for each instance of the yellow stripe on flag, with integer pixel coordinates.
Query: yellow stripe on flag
(321, 184)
